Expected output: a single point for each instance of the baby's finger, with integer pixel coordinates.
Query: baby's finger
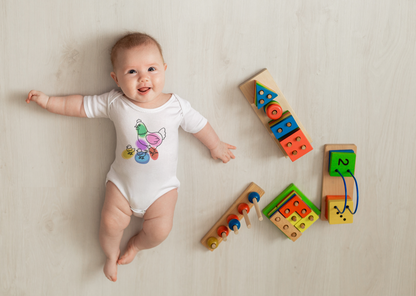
(231, 147)
(231, 154)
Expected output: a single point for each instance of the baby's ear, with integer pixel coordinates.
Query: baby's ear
(165, 66)
(114, 76)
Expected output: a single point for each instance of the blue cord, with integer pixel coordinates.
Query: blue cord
(345, 188)
(358, 194)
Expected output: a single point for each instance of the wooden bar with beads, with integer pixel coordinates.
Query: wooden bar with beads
(265, 78)
(212, 239)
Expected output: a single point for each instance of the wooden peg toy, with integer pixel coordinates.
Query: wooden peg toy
(338, 158)
(254, 198)
(292, 212)
(262, 92)
(230, 220)
(244, 209)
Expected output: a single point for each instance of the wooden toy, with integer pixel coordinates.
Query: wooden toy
(296, 145)
(232, 217)
(339, 160)
(244, 209)
(332, 212)
(292, 212)
(277, 116)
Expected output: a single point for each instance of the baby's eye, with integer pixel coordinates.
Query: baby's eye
(151, 69)
(131, 71)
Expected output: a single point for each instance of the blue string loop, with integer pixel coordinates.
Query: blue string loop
(345, 188)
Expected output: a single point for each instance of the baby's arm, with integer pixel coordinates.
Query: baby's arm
(69, 105)
(218, 149)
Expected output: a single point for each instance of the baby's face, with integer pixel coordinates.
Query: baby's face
(140, 73)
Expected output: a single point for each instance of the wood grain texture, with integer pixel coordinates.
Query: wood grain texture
(348, 69)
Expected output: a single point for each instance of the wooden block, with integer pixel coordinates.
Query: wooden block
(285, 226)
(264, 77)
(334, 215)
(295, 204)
(262, 95)
(334, 185)
(294, 218)
(341, 161)
(296, 145)
(233, 210)
(304, 223)
(268, 210)
(284, 127)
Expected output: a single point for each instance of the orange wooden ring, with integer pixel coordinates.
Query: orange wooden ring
(243, 206)
(222, 229)
(231, 217)
(274, 110)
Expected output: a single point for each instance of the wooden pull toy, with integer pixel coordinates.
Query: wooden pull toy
(223, 232)
(254, 197)
(233, 223)
(244, 209)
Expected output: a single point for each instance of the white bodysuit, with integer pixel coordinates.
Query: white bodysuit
(147, 144)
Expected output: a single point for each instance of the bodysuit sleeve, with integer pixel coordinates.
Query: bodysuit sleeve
(192, 121)
(98, 106)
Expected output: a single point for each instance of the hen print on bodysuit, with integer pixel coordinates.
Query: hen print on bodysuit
(147, 143)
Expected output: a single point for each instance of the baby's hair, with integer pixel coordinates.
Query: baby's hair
(132, 40)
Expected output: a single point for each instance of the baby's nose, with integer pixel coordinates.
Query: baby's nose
(143, 78)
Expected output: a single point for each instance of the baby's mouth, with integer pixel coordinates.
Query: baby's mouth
(144, 89)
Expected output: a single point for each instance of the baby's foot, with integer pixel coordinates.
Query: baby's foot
(130, 253)
(110, 269)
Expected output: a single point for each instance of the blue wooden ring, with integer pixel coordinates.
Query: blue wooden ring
(234, 222)
(253, 195)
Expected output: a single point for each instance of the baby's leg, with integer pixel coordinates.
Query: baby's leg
(115, 217)
(157, 224)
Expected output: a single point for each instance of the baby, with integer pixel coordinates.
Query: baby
(142, 179)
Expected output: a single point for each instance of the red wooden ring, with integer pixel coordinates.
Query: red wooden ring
(222, 229)
(231, 217)
(274, 108)
(243, 206)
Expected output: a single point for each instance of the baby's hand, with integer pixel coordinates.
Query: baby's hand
(222, 152)
(39, 97)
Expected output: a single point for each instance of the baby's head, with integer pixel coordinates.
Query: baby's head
(132, 40)
(138, 67)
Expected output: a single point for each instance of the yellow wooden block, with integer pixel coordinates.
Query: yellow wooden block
(294, 218)
(304, 223)
(335, 217)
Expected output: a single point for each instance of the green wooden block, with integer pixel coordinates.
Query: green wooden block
(341, 161)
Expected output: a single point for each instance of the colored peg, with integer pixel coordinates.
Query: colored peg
(254, 197)
(233, 223)
(212, 242)
(244, 209)
(223, 232)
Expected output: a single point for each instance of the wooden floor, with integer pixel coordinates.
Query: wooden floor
(347, 68)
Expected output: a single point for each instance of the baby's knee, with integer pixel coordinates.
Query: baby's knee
(161, 231)
(113, 220)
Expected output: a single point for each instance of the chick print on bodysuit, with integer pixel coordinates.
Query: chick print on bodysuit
(147, 143)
